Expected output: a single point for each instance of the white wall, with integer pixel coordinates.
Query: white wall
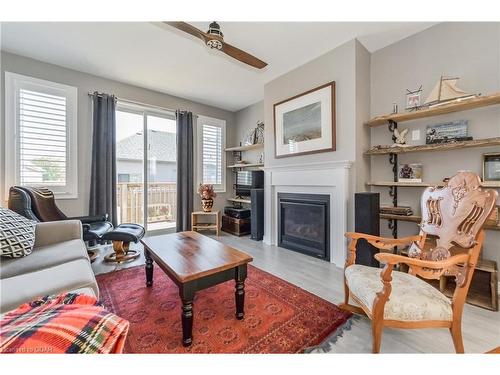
(85, 83)
(468, 50)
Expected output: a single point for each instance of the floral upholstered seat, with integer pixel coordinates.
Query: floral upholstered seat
(411, 299)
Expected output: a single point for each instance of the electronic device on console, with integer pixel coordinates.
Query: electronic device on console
(248, 180)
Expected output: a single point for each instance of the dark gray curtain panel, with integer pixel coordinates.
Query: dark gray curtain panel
(103, 171)
(185, 169)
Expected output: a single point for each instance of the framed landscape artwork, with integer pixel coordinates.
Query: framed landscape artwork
(305, 124)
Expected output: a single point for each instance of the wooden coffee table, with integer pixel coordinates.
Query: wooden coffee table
(195, 262)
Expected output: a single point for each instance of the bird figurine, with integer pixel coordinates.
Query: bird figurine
(400, 138)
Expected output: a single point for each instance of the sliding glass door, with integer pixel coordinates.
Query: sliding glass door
(146, 163)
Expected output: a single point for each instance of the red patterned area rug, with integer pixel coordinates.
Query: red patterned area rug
(279, 317)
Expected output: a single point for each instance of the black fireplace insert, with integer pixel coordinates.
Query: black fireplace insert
(304, 223)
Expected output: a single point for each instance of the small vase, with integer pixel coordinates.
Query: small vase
(207, 204)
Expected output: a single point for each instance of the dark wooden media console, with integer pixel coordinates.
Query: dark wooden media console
(238, 227)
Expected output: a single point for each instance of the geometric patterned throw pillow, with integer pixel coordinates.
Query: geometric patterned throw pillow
(17, 234)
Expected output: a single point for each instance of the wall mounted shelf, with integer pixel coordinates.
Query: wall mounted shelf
(464, 105)
(245, 148)
(486, 142)
(418, 219)
(239, 200)
(245, 165)
(489, 184)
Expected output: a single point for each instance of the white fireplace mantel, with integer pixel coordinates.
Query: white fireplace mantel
(330, 177)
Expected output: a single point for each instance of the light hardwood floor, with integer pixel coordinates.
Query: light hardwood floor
(481, 328)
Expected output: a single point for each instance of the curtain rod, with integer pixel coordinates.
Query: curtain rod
(137, 103)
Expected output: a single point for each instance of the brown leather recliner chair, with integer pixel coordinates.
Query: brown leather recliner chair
(38, 204)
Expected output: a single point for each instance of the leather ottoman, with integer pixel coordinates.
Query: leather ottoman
(121, 236)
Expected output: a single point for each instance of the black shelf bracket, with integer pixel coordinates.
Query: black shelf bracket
(393, 190)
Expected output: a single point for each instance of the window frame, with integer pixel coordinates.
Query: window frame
(206, 120)
(13, 83)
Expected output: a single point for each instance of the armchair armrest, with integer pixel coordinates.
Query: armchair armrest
(430, 264)
(380, 243)
(383, 242)
(90, 219)
(51, 232)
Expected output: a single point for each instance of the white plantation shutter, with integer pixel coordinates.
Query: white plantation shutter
(42, 139)
(41, 135)
(211, 135)
(212, 154)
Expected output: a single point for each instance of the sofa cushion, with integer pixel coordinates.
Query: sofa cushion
(73, 275)
(44, 257)
(411, 298)
(17, 234)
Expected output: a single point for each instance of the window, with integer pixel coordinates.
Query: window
(211, 155)
(40, 148)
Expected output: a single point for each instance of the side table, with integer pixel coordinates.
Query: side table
(197, 226)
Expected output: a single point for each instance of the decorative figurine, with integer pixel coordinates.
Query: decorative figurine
(447, 91)
(400, 138)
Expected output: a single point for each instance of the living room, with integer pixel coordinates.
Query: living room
(236, 194)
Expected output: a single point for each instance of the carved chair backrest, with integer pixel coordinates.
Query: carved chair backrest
(456, 212)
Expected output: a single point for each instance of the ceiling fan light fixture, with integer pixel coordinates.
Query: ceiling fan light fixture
(214, 44)
(214, 29)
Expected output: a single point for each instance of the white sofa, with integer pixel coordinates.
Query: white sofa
(58, 263)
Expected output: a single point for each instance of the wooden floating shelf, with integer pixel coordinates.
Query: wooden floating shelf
(203, 226)
(418, 219)
(245, 148)
(489, 184)
(239, 200)
(464, 105)
(246, 165)
(405, 184)
(487, 142)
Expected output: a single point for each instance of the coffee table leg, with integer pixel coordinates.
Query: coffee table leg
(149, 268)
(239, 294)
(187, 296)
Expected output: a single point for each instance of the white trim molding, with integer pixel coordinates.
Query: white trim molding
(332, 178)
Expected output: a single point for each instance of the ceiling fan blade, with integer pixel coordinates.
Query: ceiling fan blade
(187, 28)
(242, 56)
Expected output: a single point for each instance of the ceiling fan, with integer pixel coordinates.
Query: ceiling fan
(214, 39)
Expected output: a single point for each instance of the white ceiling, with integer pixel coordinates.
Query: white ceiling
(166, 60)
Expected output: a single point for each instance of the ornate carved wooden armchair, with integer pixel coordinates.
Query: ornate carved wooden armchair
(453, 216)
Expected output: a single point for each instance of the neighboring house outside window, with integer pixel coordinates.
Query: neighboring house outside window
(41, 135)
(211, 142)
(129, 157)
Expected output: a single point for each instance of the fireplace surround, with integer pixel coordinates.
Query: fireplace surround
(304, 223)
(323, 177)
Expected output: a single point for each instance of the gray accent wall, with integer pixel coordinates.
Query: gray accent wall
(85, 83)
(246, 120)
(349, 66)
(470, 51)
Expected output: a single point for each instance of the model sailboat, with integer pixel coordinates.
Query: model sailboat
(445, 91)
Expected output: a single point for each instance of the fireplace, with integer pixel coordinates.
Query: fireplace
(304, 223)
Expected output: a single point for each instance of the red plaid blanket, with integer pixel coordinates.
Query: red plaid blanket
(67, 323)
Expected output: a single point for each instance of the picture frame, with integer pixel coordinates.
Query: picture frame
(451, 131)
(413, 100)
(305, 123)
(410, 172)
(491, 166)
